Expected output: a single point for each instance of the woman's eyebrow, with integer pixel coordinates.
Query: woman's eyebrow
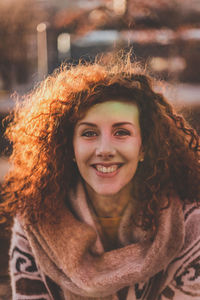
(87, 124)
(122, 123)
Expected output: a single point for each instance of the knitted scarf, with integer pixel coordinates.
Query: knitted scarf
(70, 252)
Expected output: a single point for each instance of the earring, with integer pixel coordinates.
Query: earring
(141, 159)
(74, 160)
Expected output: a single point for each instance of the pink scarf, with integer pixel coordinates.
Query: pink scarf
(71, 252)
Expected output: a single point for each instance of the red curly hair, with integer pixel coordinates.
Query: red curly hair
(41, 133)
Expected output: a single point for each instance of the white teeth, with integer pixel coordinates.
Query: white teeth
(104, 169)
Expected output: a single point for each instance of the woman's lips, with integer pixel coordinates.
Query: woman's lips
(108, 170)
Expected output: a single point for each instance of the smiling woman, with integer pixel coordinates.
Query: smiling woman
(107, 147)
(104, 190)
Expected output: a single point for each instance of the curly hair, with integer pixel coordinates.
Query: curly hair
(41, 133)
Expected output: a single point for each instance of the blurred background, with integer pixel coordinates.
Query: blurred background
(36, 36)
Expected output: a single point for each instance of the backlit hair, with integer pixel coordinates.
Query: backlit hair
(41, 132)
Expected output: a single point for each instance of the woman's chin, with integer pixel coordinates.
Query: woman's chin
(107, 191)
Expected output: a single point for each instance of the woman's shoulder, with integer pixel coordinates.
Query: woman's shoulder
(190, 210)
(191, 244)
(19, 243)
(18, 230)
(192, 224)
(183, 273)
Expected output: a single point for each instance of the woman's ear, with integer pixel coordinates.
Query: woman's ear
(141, 156)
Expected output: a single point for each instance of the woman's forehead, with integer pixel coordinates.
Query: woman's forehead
(113, 109)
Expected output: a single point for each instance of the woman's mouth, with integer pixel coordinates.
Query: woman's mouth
(107, 169)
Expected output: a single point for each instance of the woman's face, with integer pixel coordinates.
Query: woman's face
(107, 146)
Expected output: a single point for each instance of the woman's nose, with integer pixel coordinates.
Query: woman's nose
(105, 148)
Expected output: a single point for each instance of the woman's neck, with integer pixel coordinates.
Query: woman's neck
(109, 205)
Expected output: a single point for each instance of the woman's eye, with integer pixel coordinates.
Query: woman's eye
(89, 133)
(122, 132)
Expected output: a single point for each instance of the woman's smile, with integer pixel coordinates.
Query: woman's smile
(104, 168)
(107, 146)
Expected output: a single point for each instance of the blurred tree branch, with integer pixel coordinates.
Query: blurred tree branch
(18, 20)
(138, 14)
